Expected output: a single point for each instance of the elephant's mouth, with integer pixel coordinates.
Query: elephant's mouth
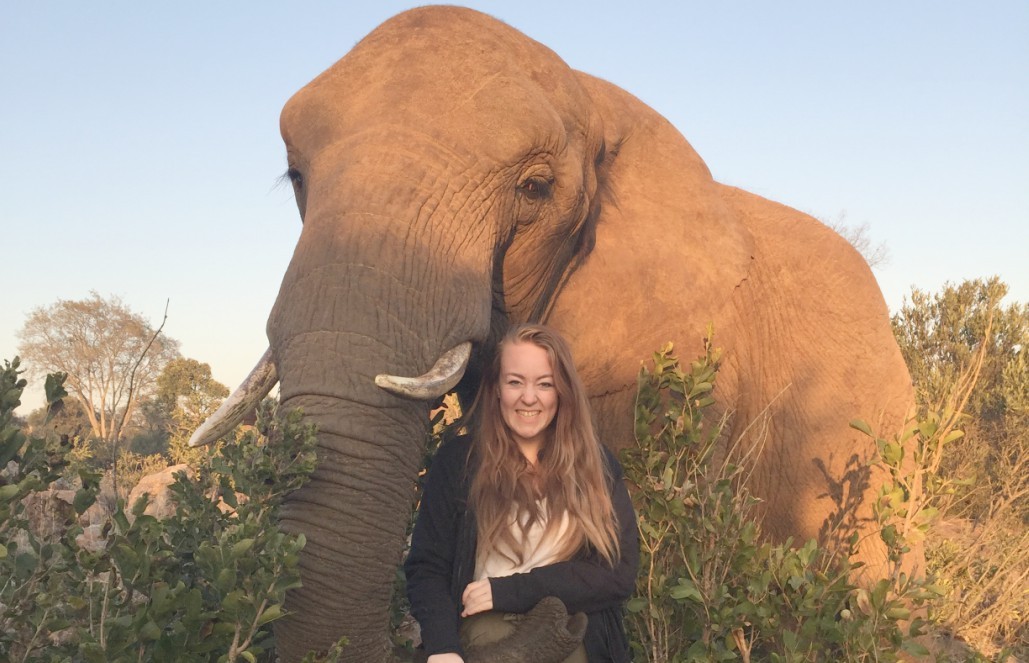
(437, 381)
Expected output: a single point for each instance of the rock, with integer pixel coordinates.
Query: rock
(157, 486)
(49, 511)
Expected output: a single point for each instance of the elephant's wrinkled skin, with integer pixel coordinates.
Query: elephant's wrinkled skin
(453, 175)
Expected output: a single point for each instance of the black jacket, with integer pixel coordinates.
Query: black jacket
(442, 563)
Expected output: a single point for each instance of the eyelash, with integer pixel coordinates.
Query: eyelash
(542, 385)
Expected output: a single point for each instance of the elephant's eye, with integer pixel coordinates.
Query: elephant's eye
(534, 188)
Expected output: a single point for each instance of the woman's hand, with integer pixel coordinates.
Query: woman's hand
(477, 597)
(449, 657)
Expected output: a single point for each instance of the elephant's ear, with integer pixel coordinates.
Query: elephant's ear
(668, 251)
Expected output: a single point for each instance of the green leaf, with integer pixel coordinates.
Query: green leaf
(859, 424)
(226, 580)
(700, 388)
(150, 631)
(697, 651)
(92, 653)
(140, 505)
(636, 604)
(892, 453)
(241, 548)
(914, 648)
(54, 387)
(25, 562)
(10, 448)
(789, 638)
(84, 498)
(272, 613)
(229, 497)
(285, 583)
(119, 519)
(685, 589)
(233, 601)
(704, 402)
(8, 492)
(898, 613)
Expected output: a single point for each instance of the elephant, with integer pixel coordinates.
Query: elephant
(454, 176)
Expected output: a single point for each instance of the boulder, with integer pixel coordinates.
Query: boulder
(157, 485)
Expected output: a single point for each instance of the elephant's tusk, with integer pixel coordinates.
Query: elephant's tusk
(440, 379)
(242, 401)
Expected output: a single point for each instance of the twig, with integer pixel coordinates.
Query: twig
(116, 437)
(32, 641)
(241, 647)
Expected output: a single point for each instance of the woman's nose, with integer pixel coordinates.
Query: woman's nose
(529, 395)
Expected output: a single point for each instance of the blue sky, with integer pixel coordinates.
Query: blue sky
(139, 148)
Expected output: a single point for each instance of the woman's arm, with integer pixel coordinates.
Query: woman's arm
(583, 585)
(449, 657)
(430, 563)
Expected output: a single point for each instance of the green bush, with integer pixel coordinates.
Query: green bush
(966, 352)
(710, 587)
(202, 585)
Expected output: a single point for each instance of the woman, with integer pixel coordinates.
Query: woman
(530, 505)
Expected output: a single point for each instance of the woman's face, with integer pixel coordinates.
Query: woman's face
(528, 395)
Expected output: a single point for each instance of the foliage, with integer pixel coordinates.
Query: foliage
(966, 354)
(69, 420)
(711, 588)
(102, 347)
(186, 396)
(132, 467)
(858, 236)
(443, 421)
(202, 585)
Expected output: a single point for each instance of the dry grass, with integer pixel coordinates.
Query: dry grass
(978, 552)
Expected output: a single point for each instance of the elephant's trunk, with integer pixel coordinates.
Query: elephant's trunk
(354, 513)
(363, 299)
(356, 509)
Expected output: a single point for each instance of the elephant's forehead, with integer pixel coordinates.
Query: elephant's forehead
(466, 79)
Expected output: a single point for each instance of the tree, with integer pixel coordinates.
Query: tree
(186, 395)
(967, 353)
(940, 334)
(102, 345)
(940, 337)
(876, 256)
(69, 421)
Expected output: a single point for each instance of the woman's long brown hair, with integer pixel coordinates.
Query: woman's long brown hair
(570, 473)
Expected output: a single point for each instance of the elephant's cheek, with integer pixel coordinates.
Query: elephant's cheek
(354, 514)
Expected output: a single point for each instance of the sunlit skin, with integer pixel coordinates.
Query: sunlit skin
(528, 398)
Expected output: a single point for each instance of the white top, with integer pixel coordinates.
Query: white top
(537, 551)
